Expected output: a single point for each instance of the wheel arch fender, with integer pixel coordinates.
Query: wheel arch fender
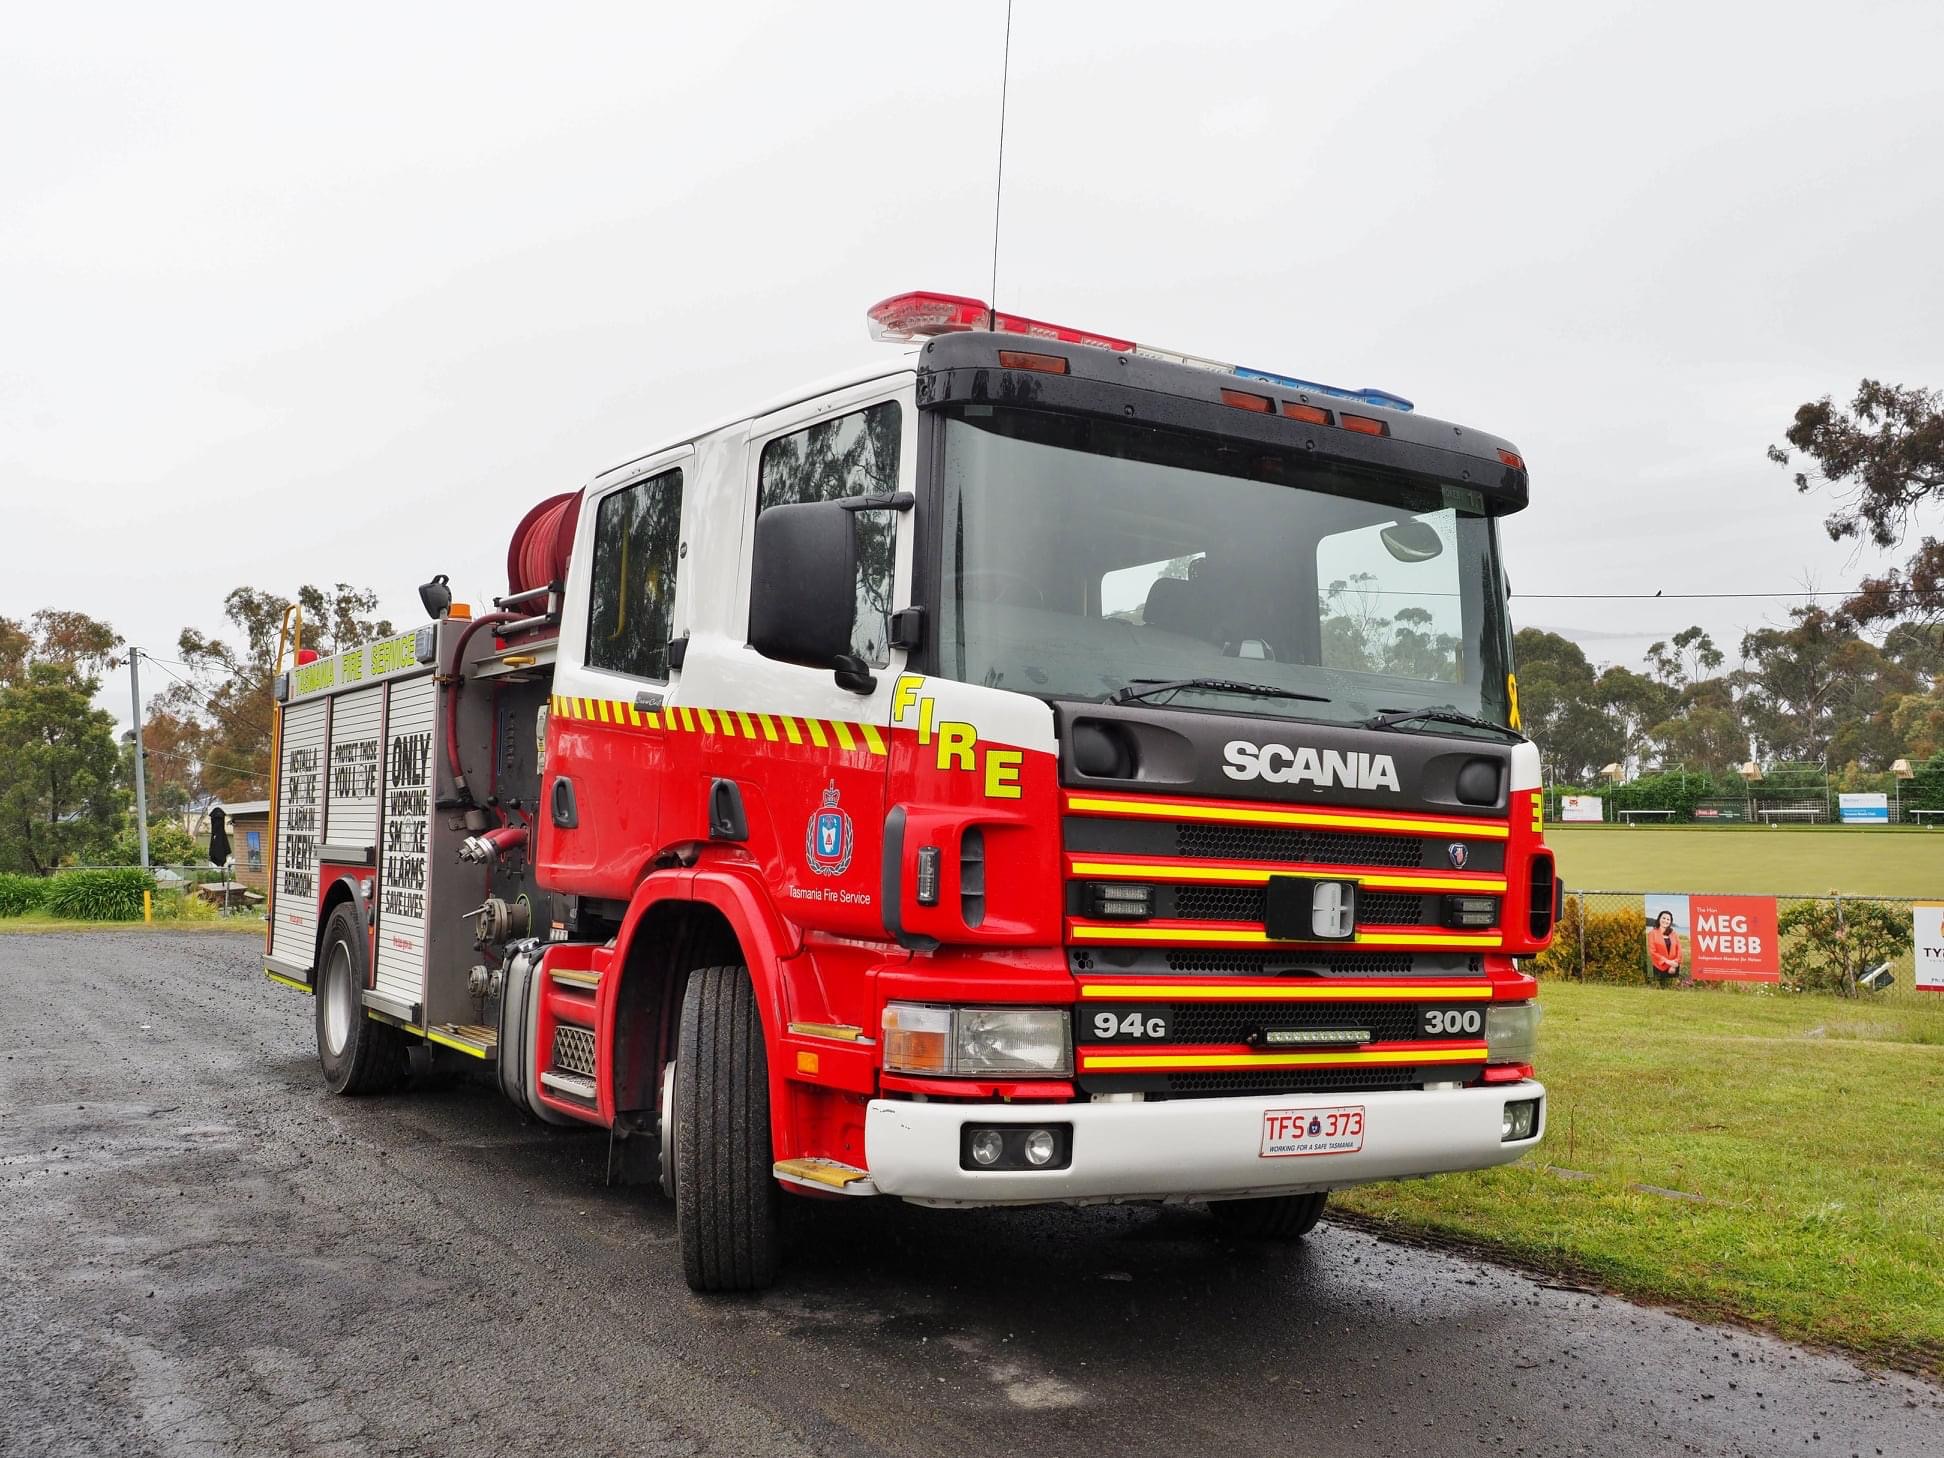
(346, 886)
(738, 901)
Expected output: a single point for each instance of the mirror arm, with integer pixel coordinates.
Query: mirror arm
(884, 501)
(852, 673)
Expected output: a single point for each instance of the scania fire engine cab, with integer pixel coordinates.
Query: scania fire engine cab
(1038, 768)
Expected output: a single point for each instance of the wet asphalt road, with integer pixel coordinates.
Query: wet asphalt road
(201, 1252)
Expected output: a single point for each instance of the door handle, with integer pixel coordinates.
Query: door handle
(566, 815)
(726, 818)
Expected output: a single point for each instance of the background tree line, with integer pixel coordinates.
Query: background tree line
(1849, 689)
(67, 782)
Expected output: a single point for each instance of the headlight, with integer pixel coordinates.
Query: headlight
(1512, 1033)
(970, 1041)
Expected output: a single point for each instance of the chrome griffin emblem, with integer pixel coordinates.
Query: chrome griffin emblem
(1459, 854)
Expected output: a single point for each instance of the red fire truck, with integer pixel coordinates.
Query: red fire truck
(1040, 768)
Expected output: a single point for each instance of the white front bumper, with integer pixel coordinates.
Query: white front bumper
(1186, 1149)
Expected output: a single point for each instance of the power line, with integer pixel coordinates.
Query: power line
(195, 689)
(1677, 596)
(254, 775)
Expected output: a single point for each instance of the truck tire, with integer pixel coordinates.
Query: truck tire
(727, 1207)
(359, 1054)
(1270, 1217)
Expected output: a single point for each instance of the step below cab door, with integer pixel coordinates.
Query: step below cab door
(606, 751)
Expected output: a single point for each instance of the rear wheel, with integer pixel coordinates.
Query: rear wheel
(359, 1054)
(1271, 1217)
(727, 1207)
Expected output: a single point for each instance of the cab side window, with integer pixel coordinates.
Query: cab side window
(852, 455)
(631, 607)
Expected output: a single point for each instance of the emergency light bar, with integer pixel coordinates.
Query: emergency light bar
(904, 318)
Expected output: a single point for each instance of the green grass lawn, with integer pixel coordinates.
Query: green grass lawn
(40, 921)
(1810, 1129)
(1773, 860)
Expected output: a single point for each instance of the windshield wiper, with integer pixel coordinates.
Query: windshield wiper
(1147, 688)
(1392, 718)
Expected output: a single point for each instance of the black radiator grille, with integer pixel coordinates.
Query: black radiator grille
(1316, 847)
(1386, 1022)
(1245, 903)
(1242, 963)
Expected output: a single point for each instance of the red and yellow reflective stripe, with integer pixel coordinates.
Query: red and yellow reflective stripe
(1236, 874)
(1203, 933)
(1154, 990)
(1392, 1057)
(1225, 812)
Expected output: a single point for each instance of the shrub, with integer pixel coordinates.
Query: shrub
(1615, 939)
(21, 894)
(169, 845)
(1825, 944)
(98, 895)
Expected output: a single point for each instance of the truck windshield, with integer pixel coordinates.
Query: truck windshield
(1082, 556)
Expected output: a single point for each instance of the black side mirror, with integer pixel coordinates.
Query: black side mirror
(803, 589)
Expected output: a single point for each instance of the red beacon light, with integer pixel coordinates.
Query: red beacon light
(903, 318)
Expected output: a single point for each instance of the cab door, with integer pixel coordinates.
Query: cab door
(625, 604)
(808, 758)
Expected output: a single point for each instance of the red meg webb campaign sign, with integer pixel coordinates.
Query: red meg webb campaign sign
(1734, 939)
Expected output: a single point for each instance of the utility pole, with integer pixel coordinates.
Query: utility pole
(141, 768)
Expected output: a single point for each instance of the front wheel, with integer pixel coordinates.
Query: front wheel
(359, 1054)
(1271, 1217)
(727, 1208)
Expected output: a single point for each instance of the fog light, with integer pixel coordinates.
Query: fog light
(1015, 1147)
(1519, 1120)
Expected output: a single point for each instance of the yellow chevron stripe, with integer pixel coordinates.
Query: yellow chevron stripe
(708, 719)
(1103, 1062)
(815, 726)
(873, 738)
(748, 728)
(790, 729)
(842, 731)
(769, 727)
(1288, 992)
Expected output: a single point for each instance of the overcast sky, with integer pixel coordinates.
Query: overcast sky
(336, 295)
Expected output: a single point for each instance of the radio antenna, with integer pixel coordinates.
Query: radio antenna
(999, 173)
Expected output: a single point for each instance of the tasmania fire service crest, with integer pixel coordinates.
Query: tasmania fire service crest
(830, 841)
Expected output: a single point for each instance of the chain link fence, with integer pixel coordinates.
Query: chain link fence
(1827, 943)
